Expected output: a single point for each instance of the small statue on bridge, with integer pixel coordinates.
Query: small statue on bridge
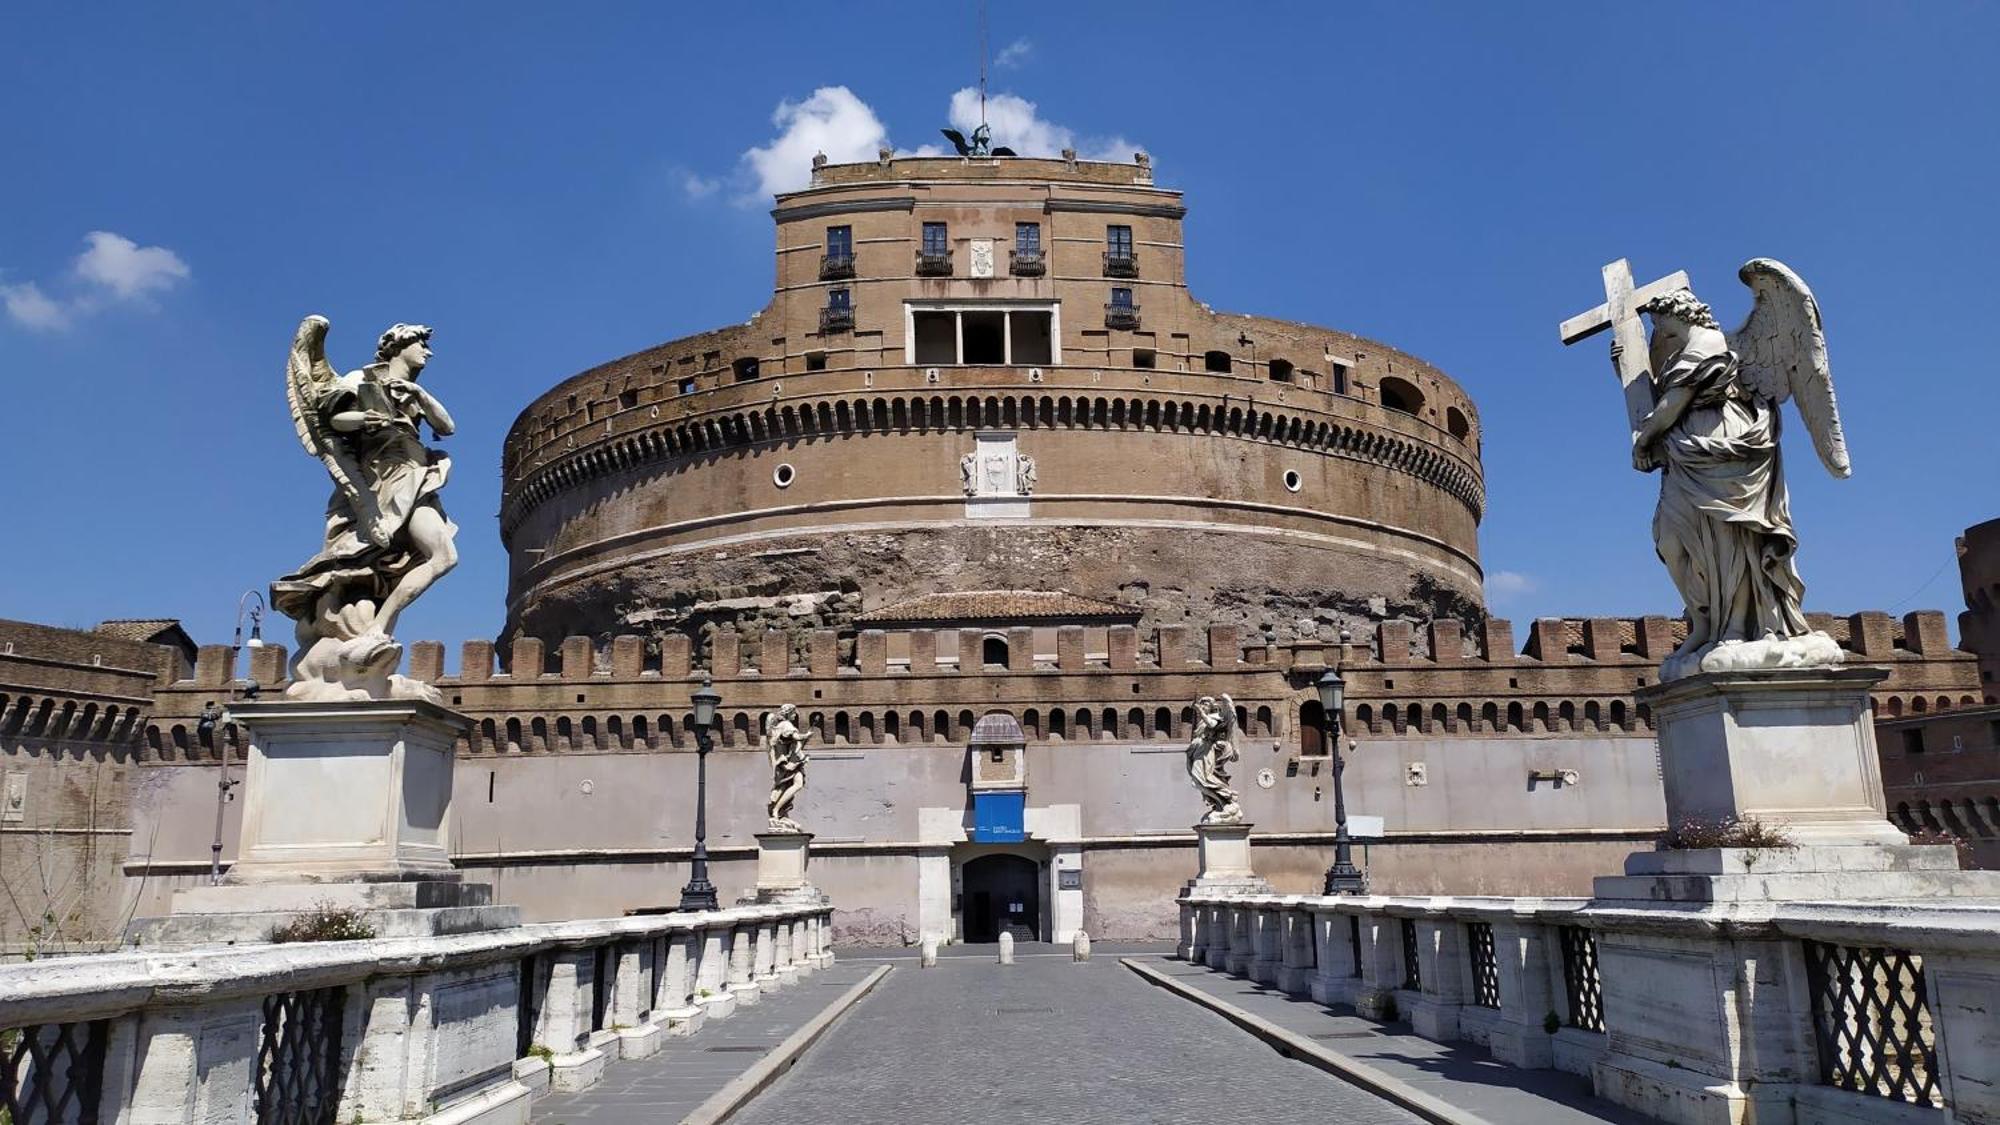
(387, 537)
(1209, 753)
(785, 742)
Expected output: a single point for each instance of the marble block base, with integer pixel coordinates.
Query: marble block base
(236, 915)
(1792, 748)
(781, 871)
(1223, 852)
(344, 792)
(1850, 873)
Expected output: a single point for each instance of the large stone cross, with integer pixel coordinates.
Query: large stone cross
(1620, 313)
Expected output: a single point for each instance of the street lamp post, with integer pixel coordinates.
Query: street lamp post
(699, 894)
(211, 715)
(1343, 878)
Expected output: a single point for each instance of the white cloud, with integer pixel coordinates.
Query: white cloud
(127, 268)
(111, 268)
(1510, 584)
(832, 121)
(699, 187)
(32, 308)
(1014, 54)
(1016, 125)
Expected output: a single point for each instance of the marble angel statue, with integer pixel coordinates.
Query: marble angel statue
(1209, 753)
(1724, 526)
(387, 538)
(785, 742)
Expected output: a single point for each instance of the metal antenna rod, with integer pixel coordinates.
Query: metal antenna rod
(982, 62)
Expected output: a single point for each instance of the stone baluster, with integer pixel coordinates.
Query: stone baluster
(566, 1012)
(765, 966)
(742, 970)
(1242, 938)
(1266, 940)
(1521, 949)
(1381, 965)
(1216, 919)
(1441, 953)
(712, 977)
(675, 1008)
(824, 923)
(1190, 947)
(1296, 953)
(1336, 964)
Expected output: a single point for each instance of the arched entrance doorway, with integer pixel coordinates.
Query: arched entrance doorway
(1002, 892)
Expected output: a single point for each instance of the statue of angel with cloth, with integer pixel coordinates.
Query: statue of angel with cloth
(387, 537)
(785, 743)
(1210, 749)
(1723, 526)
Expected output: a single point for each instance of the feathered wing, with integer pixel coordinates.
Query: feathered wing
(1782, 349)
(1229, 724)
(308, 380)
(957, 140)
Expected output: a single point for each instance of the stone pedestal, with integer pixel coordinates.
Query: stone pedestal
(781, 870)
(1224, 856)
(345, 805)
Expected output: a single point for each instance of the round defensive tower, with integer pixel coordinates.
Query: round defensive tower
(988, 374)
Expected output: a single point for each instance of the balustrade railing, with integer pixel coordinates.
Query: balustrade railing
(1884, 1003)
(300, 1028)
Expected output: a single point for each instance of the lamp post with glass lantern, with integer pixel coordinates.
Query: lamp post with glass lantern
(1343, 878)
(699, 894)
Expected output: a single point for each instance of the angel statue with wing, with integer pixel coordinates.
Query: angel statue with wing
(387, 537)
(1209, 753)
(786, 745)
(1724, 526)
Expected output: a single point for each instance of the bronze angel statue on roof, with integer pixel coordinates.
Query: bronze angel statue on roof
(1724, 525)
(387, 537)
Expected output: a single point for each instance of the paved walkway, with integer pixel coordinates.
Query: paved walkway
(1461, 1074)
(1047, 1040)
(668, 1086)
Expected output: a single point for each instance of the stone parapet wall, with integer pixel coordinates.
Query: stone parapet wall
(464, 1028)
(1570, 678)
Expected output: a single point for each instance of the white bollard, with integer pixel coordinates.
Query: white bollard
(1081, 950)
(1006, 948)
(927, 952)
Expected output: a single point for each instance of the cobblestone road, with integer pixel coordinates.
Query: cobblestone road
(1047, 1040)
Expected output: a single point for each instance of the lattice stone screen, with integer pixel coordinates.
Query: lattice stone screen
(1580, 980)
(298, 1058)
(1485, 964)
(1872, 1017)
(52, 1073)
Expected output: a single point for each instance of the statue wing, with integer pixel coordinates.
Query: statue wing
(1228, 717)
(957, 140)
(308, 381)
(1782, 350)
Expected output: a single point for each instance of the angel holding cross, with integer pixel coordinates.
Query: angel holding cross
(1723, 525)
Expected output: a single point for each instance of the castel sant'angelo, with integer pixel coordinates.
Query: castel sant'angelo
(992, 498)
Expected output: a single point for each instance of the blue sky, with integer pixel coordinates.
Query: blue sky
(554, 186)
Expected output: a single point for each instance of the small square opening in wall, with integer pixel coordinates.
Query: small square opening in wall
(1143, 358)
(1388, 683)
(816, 361)
(1513, 681)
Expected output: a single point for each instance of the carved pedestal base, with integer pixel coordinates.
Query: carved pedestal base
(781, 870)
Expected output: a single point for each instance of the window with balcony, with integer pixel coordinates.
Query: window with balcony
(1120, 312)
(838, 261)
(934, 255)
(1119, 260)
(838, 315)
(1026, 257)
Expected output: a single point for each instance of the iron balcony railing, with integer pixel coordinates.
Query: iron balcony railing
(1121, 263)
(833, 267)
(836, 319)
(933, 265)
(1027, 263)
(1121, 316)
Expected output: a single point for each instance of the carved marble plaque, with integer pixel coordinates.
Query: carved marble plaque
(982, 257)
(14, 802)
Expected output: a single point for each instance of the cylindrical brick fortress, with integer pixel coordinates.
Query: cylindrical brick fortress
(937, 325)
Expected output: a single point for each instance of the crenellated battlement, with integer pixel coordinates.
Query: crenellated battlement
(1569, 676)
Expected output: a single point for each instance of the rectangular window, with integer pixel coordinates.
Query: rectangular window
(839, 299)
(1028, 237)
(936, 244)
(1913, 740)
(816, 361)
(687, 386)
(1118, 241)
(1340, 378)
(1142, 357)
(840, 242)
(1121, 297)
